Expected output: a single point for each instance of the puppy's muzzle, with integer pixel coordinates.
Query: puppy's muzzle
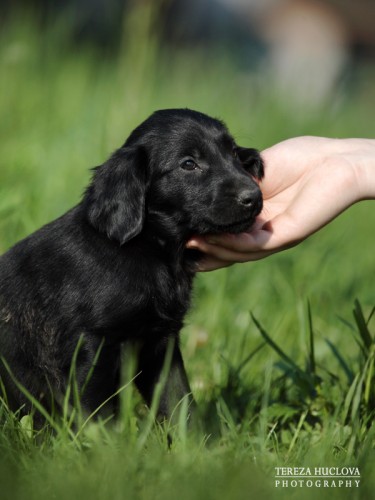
(251, 199)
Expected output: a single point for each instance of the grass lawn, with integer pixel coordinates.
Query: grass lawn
(281, 367)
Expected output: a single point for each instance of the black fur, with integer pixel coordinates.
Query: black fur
(115, 269)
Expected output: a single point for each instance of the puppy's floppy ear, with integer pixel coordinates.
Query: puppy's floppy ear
(251, 161)
(115, 200)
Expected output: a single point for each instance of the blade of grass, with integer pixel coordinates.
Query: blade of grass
(348, 372)
(157, 396)
(349, 397)
(92, 415)
(369, 378)
(275, 347)
(297, 432)
(311, 339)
(35, 403)
(362, 325)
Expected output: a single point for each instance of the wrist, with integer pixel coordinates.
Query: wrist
(364, 170)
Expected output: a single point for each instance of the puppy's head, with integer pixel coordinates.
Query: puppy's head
(180, 172)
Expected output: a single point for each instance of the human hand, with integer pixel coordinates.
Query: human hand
(308, 181)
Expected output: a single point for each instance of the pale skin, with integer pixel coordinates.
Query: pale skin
(308, 182)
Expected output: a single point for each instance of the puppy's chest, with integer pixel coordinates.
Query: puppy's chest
(154, 301)
(170, 295)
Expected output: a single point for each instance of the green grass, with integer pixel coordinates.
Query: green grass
(281, 368)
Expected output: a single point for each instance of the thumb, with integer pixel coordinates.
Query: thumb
(279, 233)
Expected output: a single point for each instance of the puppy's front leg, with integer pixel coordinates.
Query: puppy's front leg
(154, 367)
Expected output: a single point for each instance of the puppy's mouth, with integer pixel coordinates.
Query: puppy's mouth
(234, 227)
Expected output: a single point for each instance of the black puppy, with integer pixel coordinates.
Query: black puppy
(115, 268)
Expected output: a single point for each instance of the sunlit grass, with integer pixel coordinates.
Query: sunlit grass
(275, 384)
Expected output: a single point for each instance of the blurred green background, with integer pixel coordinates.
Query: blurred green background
(71, 91)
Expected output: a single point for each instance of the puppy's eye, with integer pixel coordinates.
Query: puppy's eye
(235, 152)
(189, 164)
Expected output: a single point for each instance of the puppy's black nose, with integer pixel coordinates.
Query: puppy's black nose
(248, 197)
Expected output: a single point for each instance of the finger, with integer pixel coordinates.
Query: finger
(256, 240)
(209, 263)
(242, 242)
(224, 254)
